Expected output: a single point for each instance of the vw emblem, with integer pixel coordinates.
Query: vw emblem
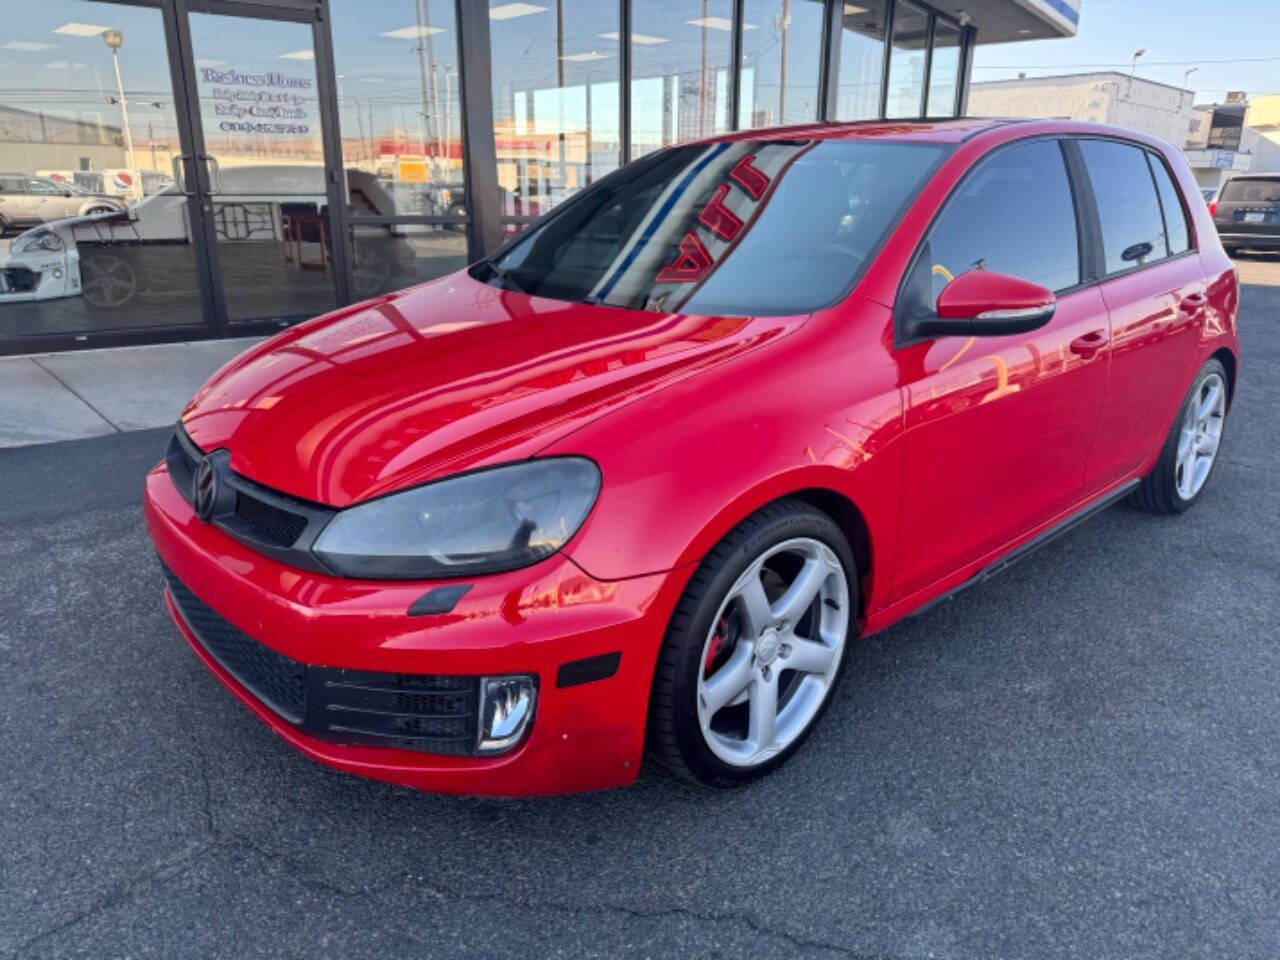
(204, 488)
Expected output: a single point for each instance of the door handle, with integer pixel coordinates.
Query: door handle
(180, 173)
(1193, 303)
(1090, 343)
(215, 173)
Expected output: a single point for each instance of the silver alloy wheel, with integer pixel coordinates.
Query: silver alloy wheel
(107, 281)
(784, 658)
(1201, 436)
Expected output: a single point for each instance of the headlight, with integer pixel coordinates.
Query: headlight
(38, 239)
(482, 522)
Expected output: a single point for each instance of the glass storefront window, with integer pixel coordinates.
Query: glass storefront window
(399, 106)
(555, 70)
(861, 60)
(944, 69)
(93, 234)
(680, 78)
(393, 256)
(781, 55)
(906, 61)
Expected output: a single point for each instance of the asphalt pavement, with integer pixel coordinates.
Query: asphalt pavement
(1080, 758)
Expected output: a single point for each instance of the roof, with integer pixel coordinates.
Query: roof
(1086, 77)
(937, 131)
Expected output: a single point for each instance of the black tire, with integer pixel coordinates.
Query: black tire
(674, 737)
(1158, 493)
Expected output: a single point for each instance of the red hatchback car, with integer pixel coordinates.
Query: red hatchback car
(635, 482)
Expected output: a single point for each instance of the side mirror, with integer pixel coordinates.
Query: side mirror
(982, 303)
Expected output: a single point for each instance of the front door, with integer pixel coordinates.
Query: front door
(998, 428)
(260, 170)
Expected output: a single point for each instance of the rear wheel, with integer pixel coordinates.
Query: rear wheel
(1191, 449)
(754, 647)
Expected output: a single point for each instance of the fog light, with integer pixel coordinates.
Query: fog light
(506, 709)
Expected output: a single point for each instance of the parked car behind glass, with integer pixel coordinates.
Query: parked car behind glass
(26, 201)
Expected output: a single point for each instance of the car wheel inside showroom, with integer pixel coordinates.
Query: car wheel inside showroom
(633, 486)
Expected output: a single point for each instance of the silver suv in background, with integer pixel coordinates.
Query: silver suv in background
(26, 201)
(1247, 212)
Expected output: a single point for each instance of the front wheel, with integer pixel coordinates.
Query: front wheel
(1191, 449)
(754, 647)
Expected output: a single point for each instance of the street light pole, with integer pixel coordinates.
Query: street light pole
(1133, 66)
(114, 39)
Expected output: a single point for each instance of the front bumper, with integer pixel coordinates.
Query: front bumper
(44, 275)
(586, 736)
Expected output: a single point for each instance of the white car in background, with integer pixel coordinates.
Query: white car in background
(110, 257)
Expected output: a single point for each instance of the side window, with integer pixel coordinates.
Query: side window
(1013, 214)
(1175, 215)
(11, 185)
(1132, 229)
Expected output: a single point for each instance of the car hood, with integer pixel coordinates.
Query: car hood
(443, 377)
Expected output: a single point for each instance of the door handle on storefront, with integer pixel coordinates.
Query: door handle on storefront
(180, 173)
(215, 173)
(1090, 343)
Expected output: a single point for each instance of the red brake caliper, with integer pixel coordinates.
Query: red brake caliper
(718, 645)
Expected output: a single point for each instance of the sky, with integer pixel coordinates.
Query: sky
(1177, 35)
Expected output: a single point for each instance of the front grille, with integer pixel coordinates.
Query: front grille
(270, 522)
(18, 280)
(274, 523)
(432, 714)
(276, 680)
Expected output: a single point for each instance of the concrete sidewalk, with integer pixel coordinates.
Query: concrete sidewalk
(65, 396)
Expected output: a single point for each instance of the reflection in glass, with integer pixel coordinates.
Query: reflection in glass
(555, 99)
(680, 54)
(399, 106)
(861, 61)
(906, 61)
(92, 235)
(745, 227)
(944, 69)
(781, 52)
(391, 256)
(260, 109)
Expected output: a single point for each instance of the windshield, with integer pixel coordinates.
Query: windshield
(742, 228)
(1252, 191)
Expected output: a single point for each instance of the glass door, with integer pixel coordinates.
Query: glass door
(259, 168)
(96, 239)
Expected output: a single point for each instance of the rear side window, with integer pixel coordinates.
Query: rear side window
(1251, 191)
(1177, 233)
(1012, 214)
(1132, 227)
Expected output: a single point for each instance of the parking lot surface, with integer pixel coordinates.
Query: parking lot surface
(1080, 758)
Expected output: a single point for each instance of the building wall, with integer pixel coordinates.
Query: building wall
(1113, 98)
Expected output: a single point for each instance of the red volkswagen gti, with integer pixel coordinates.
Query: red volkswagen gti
(632, 485)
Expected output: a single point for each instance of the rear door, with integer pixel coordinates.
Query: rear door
(1249, 208)
(998, 428)
(1155, 291)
